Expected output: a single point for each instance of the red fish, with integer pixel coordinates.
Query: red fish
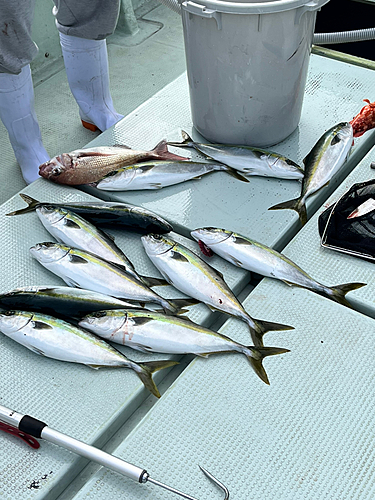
(86, 166)
(365, 120)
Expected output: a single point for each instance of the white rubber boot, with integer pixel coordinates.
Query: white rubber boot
(18, 116)
(86, 64)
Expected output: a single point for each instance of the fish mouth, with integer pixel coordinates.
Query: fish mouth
(56, 166)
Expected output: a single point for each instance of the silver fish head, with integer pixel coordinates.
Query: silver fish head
(156, 244)
(13, 321)
(104, 323)
(211, 235)
(52, 214)
(48, 252)
(343, 131)
(53, 168)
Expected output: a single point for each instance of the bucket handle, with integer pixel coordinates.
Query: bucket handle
(202, 11)
(308, 7)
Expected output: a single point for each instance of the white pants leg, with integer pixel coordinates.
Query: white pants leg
(86, 64)
(18, 115)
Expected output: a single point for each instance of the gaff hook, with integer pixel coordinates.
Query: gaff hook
(40, 430)
(183, 495)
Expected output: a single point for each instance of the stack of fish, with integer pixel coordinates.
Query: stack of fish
(109, 287)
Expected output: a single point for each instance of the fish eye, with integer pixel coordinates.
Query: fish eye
(56, 171)
(9, 313)
(156, 236)
(99, 314)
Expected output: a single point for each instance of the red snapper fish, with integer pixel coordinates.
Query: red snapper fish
(365, 120)
(84, 166)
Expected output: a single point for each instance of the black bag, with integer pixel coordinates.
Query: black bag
(355, 236)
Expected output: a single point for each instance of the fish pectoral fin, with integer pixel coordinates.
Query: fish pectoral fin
(143, 320)
(179, 256)
(204, 354)
(142, 348)
(76, 259)
(94, 367)
(155, 185)
(71, 224)
(40, 325)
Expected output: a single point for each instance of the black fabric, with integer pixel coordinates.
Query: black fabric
(356, 234)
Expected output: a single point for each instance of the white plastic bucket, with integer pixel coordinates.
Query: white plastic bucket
(247, 65)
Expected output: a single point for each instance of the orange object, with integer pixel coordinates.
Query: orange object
(89, 126)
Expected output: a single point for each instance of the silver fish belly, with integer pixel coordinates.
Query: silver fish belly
(155, 332)
(151, 175)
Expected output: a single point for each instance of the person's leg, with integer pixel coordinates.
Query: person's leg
(16, 88)
(83, 27)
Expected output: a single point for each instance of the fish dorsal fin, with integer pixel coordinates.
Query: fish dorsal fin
(71, 224)
(178, 256)
(76, 259)
(40, 325)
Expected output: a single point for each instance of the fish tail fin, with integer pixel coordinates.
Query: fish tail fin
(151, 281)
(186, 140)
(146, 371)
(232, 172)
(263, 327)
(255, 355)
(338, 292)
(297, 204)
(161, 152)
(31, 202)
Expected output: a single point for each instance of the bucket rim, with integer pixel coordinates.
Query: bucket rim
(268, 7)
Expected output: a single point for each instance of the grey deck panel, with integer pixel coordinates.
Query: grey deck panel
(334, 93)
(87, 404)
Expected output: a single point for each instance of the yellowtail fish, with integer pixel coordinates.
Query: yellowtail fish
(105, 213)
(258, 258)
(148, 331)
(187, 272)
(84, 270)
(74, 231)
(246, 159)
(84, 166)
(321, 164)
(152, 175)
(57, 339)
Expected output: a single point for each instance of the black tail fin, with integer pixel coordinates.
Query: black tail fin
(296, 205)
(146, 371)
(32, 204)
(187, 141)
(256, 355)
(263, 327)
(339, 292)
